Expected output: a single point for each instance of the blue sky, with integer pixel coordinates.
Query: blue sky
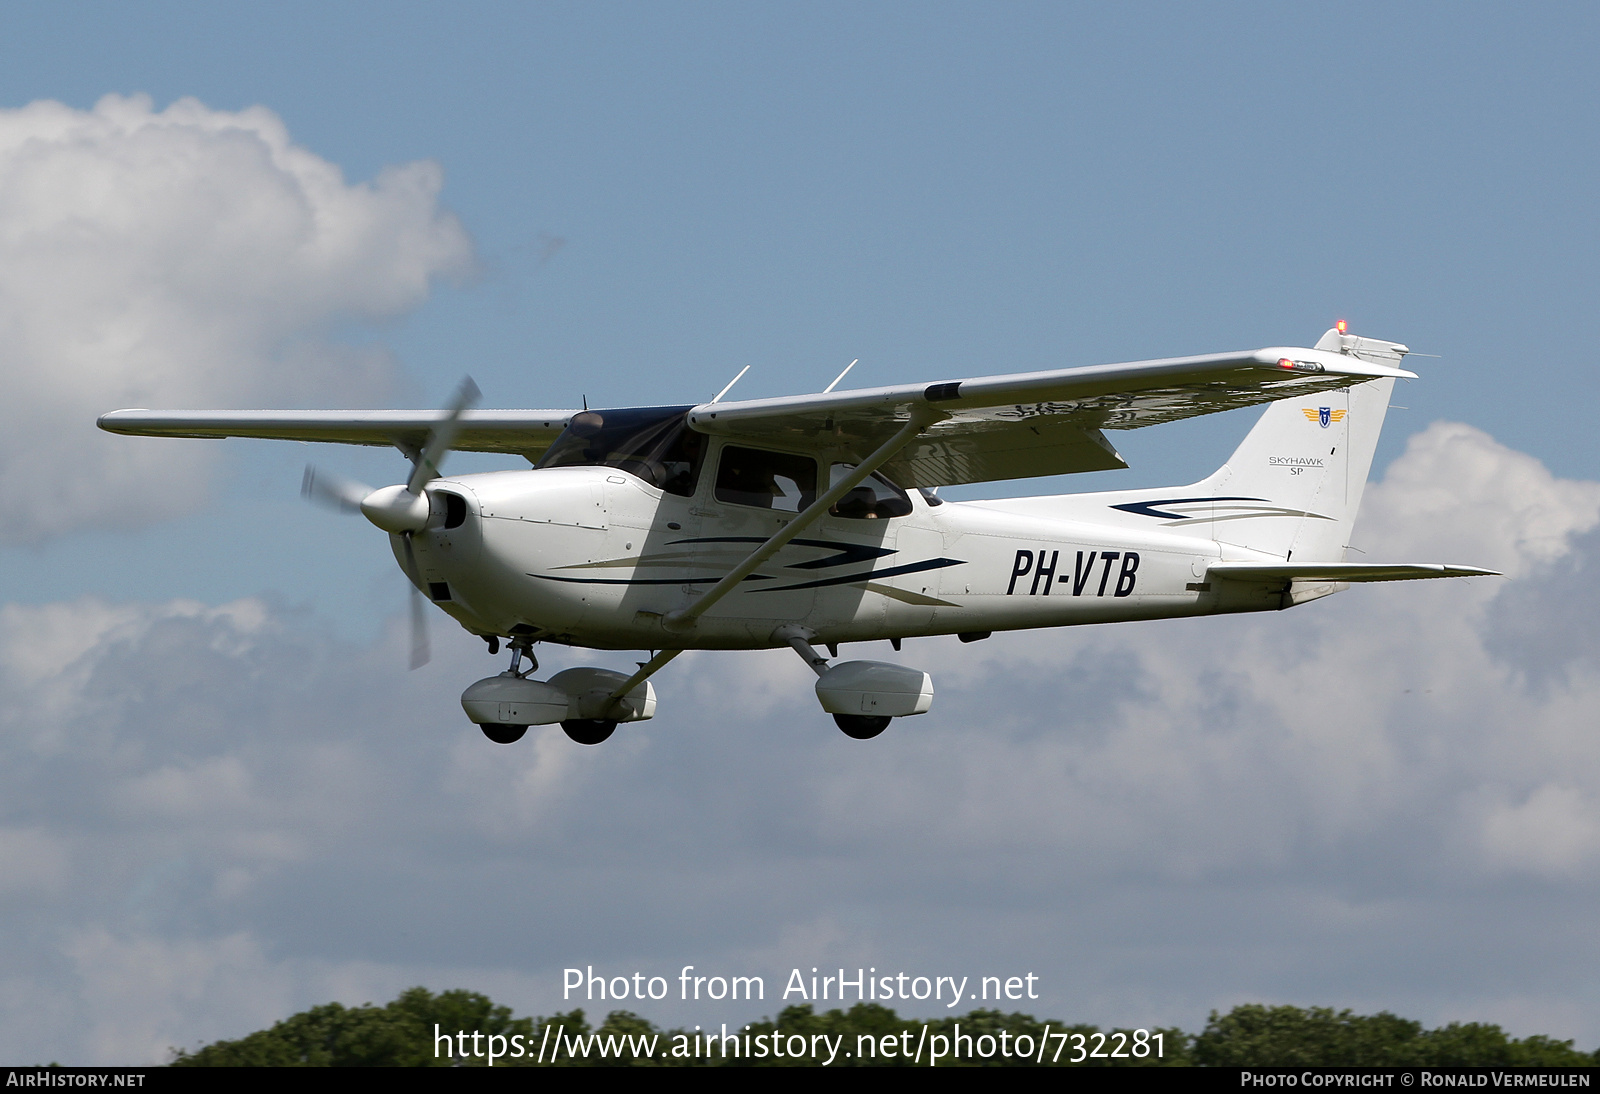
(630, 203)
(661, 195)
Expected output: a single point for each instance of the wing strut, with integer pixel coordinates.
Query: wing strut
(646, 670)
(684, 618)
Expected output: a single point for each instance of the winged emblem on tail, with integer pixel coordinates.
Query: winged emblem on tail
(1323, 415)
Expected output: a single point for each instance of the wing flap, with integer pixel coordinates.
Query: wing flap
(1043, 447)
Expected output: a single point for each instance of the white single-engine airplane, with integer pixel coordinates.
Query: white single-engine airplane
(786, 522)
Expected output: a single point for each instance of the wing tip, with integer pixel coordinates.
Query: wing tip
(111, 420)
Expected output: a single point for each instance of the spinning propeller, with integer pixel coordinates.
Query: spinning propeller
(400, 510)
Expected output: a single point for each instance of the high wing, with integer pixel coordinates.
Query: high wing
(977, 430)
(520, 432)
(1038, 423)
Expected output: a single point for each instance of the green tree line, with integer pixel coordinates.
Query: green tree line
(420, 1029)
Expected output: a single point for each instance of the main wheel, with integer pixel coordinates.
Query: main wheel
(863, 727)
(588, 731)
(501, 733)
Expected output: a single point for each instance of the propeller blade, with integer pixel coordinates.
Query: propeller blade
(442, 437)
(400, 510)
(419, 629)
(329, 489)
(419, 608)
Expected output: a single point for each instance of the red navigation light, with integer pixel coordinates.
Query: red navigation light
(1342, 325)
(1284, 362)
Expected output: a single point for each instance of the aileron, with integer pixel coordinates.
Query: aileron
(517, 432)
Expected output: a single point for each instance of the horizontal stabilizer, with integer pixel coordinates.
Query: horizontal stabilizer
(1341, 571)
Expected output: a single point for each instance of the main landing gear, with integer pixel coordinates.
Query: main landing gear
(862, 696)
(861, 727)
(588, 731)
(589, 703)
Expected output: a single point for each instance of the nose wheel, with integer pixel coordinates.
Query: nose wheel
(501, 733)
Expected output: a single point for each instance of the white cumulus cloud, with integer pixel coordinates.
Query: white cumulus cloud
(184, 257)
(217, 815)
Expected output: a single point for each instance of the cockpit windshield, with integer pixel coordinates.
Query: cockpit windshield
(654, 444)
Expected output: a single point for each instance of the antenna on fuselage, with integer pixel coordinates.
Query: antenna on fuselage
(841, 375)
(731, 382)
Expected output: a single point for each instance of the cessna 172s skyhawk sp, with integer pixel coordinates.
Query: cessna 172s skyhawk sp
(788, 522)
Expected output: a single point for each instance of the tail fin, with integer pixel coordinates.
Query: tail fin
(1293, 487)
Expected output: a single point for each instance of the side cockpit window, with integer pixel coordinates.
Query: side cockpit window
(875, 499)
(654, 444)
(766, 480)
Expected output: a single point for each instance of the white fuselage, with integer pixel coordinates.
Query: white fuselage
(592, 556)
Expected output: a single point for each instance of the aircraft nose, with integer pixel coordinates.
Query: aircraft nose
(396, 509)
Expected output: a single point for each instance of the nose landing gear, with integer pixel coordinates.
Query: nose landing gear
(501, 733)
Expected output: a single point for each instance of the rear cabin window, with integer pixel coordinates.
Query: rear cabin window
(766, 480)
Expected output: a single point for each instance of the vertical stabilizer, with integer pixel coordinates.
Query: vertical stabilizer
(1293, 487)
